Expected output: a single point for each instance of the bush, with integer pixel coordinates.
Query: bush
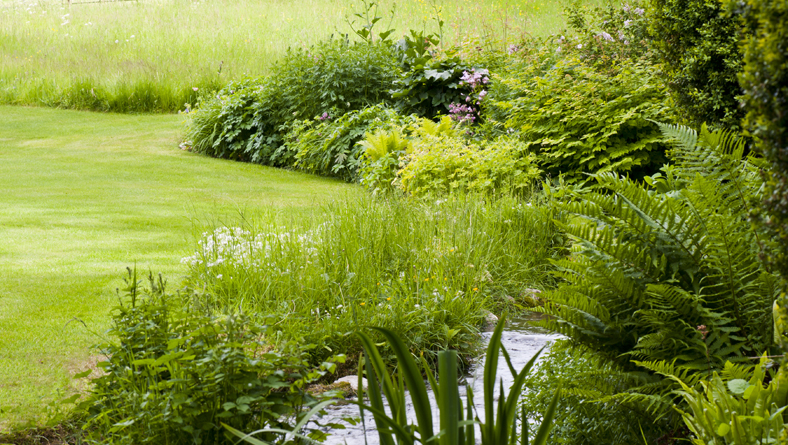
(697, 49)
(765, 84)
(427, 270)
(666, 277)
(428, 84)
(577, 119)
(247, 120)
(329, 146)
(175, 376)
(445, 164)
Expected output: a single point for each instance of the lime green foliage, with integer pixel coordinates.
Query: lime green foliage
(456, 423)
(63, 55)
(382, 151)
(589, 415)
(425, 270)
(87, 194)
(579, 119)
(331, 146)
(445, 164)
(696, 46)
(735, 410)
(667, 276)
(175, 374)
(764, 80)
(247, 120)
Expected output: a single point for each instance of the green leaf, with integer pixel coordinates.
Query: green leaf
(738, 386)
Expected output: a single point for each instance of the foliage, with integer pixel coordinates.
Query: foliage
(606, 35)
(426, 270)
(247, 120)
(174, 376)
(733, 410)
(667, 276)
(588, 416)
(428, 84)
(382, 151)
(445, 164)
(330, 146)
(696, 46)
(457, 423)
(579, 119)
(764, 81)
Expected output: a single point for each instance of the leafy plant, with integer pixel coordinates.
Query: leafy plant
(580, 120)
(667, 277)
(382, 150)
(175, 376)
(733, 410)
(764, 80)
(329, 146)
(428, 85)
(247, 120)
(696, 46)
(457, 423)
(444, 164)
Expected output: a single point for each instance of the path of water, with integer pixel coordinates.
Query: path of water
(521, 340)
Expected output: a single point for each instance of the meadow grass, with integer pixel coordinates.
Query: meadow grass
(151, 55)
(425, 269)
(83, 196)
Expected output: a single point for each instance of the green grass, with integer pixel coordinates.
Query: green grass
(83, 196)
(425, 269)
(150, 54)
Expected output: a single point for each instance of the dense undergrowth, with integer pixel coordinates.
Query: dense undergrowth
(484, 167)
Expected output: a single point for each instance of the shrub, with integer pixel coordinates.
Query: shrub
(175, 376)
(428, 84)
(444, 164)
(764, 80)
(329, 146)
(578, 119)
(248, 119)
(606, 35)
(666, 277)
(697, 49)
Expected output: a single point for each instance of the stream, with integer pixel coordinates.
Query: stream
(520, 339)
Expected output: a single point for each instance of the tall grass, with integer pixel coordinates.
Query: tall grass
(157, 55)
(426, 270)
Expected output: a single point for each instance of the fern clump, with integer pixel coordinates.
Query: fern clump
(665, 275)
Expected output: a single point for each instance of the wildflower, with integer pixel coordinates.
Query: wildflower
(639, 11)
(417, 306)
(606, 36)
(627, 23)
(362, 303)
(195, 88)
(475, 289)
(580, 46)
(388, 299)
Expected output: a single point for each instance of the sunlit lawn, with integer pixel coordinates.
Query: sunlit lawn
(83, 196)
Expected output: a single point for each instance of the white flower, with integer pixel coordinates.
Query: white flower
(580, 46)
(606, 36)
(627, 23)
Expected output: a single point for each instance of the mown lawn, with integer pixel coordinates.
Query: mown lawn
(83, 196)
